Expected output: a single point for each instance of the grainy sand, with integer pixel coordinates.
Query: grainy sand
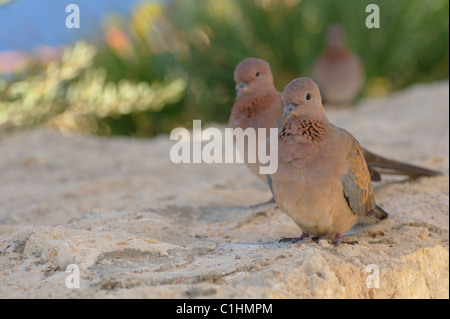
(138, 225)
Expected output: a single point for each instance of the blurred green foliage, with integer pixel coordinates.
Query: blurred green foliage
(173, 61)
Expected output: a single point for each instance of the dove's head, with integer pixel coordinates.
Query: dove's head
(336, 36)
(252, 74)
(302, 98)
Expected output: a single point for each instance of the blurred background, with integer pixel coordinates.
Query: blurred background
(141, 68)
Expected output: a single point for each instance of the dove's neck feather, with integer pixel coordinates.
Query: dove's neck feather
(250, 106)
(309, 129)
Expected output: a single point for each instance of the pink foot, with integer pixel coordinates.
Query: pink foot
(337, 240)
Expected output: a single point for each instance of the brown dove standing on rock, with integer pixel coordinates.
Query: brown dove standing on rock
(259, 105)
(338, 71)
(322, 182)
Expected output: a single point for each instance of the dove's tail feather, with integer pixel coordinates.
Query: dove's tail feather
(380, 165)
(380, 213)
(374, 216)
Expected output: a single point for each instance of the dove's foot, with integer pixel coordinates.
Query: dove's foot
(270, 201)
(294, 239)
(337, 240)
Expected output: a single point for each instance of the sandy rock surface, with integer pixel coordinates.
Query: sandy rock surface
(138, 225)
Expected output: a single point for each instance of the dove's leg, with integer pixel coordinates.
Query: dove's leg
(270, 201)
(337, 240)
(294, 239)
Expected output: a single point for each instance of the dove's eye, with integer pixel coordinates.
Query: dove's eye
(257, 73)
(308, 96)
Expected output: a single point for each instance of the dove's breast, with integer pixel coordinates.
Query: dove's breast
(308, 188)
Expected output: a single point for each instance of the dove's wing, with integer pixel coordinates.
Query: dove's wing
(356, 181)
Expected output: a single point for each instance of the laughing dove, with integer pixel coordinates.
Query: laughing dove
(258, 104)
(338, 71)
(322, 182)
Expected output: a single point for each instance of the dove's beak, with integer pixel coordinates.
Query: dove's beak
(239, 87)
(288, 109)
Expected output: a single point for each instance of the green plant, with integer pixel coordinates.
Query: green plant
(172, 62)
